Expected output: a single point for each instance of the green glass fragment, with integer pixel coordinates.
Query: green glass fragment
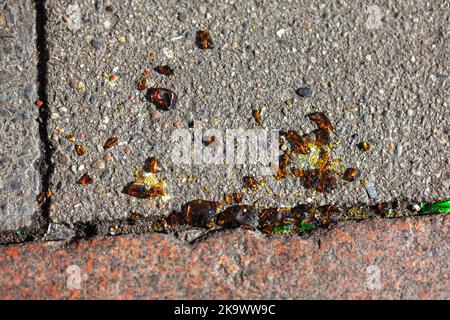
(282, 229)
(433, 208)
(305, 226)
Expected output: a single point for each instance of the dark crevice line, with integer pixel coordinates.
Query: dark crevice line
(46, 166)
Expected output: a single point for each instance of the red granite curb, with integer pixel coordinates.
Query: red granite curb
(394, 259)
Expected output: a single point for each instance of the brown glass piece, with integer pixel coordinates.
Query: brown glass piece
(257, 116)
(110, 142)
(208, 140)
(364, 146)
(86, 179)
(164, 70)
(80, 150)
(204, 40)
(151, 165)
(321, 120)
(201, 213)
(137, 190)
(142, 83)
(299, 144)
(163, 99)
(322, 181)
(237, 215)
(351, 174)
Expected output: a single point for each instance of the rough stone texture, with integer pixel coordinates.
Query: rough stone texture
(380, 259)
(19, 136)
(388, 86)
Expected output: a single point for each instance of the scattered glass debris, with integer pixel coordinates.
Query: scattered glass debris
(86, 179)
(204, 40)
(147, 184)
(43, 196)
(164, 99)
(298, 144)
(310, 156)
(251, 183)
(233, 198)
(280, 220)
(110, 142)
(321, 120)
(238, 215)
(165, 70)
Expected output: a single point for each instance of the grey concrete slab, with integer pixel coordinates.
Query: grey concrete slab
(19, 134)
(381, 73)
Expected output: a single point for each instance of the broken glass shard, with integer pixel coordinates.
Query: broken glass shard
(86, 179)
(163, 99)
(80, 150)
(110, 142)
(204, 40)
(165, 70)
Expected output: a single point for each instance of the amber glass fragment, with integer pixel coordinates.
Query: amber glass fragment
(257, 115)
(151, 165)
(204, 40)
(351, 174)
(137, 190)
(250, 182)
(165, 70)
(164, 99)
(299, 144)
(86, 179)
(321, 120)
(80, 150)
(201, 213)
(364, 146)
(110, 142)
(142, 83)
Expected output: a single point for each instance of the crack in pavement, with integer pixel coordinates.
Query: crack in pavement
(45, 167)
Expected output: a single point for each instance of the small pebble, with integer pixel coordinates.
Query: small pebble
(99, 5)
(370, 188)
(168, 53)
(305, 92)
(2, 21)
(182, 16)
(399, 150)
(281, 32)
(96, 44)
